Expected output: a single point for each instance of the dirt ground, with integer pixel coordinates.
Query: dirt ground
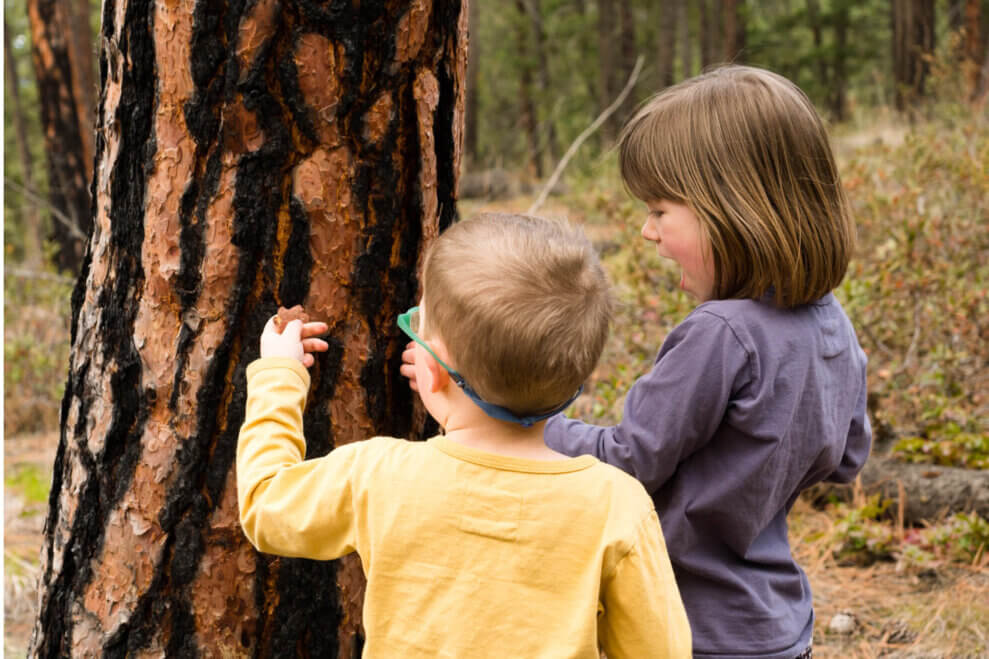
(937, 614)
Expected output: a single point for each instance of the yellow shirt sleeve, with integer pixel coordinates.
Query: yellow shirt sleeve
(643, 614)
(289, 506)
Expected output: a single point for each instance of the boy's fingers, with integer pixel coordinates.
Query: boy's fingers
(315, 345)
(409, 371)
(307, 360)
(314, 329)
(409, 355)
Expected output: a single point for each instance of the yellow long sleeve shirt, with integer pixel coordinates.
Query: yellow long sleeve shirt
(466, 553)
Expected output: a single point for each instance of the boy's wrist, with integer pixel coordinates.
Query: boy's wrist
(279, 363)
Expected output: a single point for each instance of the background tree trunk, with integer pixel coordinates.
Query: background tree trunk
(32, 233)
(65, 130)
(248, 155)
(527, 104)
(837, 97)
(667, 43)
(733, 21)
(686, 45)
(974, 48)
(628, 51)
(547, 127)
(472, 154)
(608, 63)
(82, 57)
(913, 43)
(709, 33)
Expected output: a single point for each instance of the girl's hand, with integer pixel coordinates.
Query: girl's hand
(408, 367)
(295, 340)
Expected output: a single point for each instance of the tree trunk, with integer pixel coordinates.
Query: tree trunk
(710, 36)
(527, 105)
(608, 58)
(667, 43)
(63, 127)
(32, 230)
(817, 33)
(628, 51)
(837, 94)
(686, 45)
(82, 59)
(973, 47)
(733, 20)
(249, 155)
(472, 153)
(913, 44)
(547, 144)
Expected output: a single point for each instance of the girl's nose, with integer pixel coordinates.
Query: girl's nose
(649, 231)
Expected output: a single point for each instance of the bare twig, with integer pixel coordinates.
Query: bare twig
(24, 273)
(56, 213)
(608, 111)
(883, 348)
(911, 353)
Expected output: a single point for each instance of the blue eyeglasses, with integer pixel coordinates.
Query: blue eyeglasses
(409, 323)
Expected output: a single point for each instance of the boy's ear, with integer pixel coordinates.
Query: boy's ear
(438, 377)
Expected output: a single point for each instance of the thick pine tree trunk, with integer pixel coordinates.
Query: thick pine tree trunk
(66, 127)
(249, 154)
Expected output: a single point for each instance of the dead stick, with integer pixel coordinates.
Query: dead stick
(608, 111)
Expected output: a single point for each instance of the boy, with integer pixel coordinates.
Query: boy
(482, 541)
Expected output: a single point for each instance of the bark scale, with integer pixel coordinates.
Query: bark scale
(250, 154)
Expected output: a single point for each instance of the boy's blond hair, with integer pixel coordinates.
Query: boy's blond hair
(522, 305)
(745, 149)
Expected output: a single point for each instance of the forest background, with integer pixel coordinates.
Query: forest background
(903, 85)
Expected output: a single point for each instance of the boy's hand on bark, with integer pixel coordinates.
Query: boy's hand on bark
(295, 340)
(408, 367)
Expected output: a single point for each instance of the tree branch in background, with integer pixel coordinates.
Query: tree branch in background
(59, 216)
(608, 111)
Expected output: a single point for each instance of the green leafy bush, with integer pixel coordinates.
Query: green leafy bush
(916, 291)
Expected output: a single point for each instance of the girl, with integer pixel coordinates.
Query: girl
(760, 392)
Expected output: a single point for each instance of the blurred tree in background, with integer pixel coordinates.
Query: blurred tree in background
(540, 72)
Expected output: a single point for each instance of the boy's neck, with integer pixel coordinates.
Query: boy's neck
(502, 438)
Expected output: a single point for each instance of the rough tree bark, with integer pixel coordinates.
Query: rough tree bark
(66, 127)
(32, 231)
(250, 154)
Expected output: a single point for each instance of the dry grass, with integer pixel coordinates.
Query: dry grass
(905, 613)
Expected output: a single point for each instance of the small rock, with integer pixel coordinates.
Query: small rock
(842, 623)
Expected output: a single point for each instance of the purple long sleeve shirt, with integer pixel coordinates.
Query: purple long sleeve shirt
(745, 406)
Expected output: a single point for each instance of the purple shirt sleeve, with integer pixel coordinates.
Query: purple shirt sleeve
(671, 411)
